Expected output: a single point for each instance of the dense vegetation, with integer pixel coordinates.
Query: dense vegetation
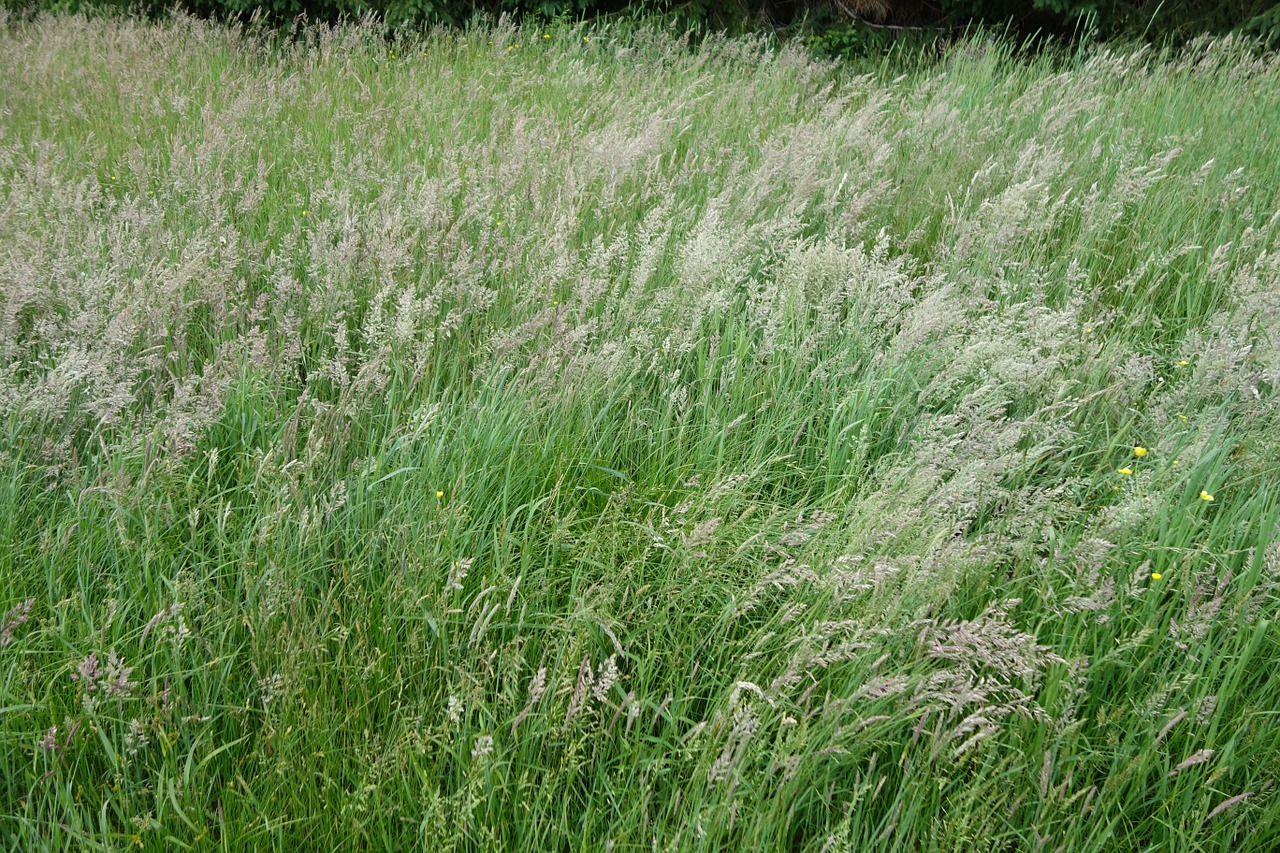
(572, 439)
(838, 26)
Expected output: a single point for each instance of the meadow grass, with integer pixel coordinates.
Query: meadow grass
(578, 439)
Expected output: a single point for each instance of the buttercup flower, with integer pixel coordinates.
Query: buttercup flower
(1125, 471)
(1205, 496)
(1155, 576)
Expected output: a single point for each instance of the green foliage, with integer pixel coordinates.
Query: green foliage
(852, 40)
(1266, 26)
(1167, 21)
(701, 14)
(566, 437)
(1176, 19)
(827, 32)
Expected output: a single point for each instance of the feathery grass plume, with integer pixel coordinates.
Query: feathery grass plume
(1228, 803)
(13, 619)
(1197, 758)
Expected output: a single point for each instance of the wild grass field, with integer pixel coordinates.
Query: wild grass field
(586, 440)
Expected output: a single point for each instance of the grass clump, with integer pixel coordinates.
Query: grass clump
(526, 439)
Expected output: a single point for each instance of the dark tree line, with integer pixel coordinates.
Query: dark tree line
(1158, 19)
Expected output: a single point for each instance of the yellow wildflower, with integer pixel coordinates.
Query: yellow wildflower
(1125, 471)
(1182, 362)
(1155, 576)
(1205, 496)
(439, 494)
(1175, 462)
(1139, 452)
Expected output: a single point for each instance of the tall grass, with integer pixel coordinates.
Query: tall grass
(579, 440)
